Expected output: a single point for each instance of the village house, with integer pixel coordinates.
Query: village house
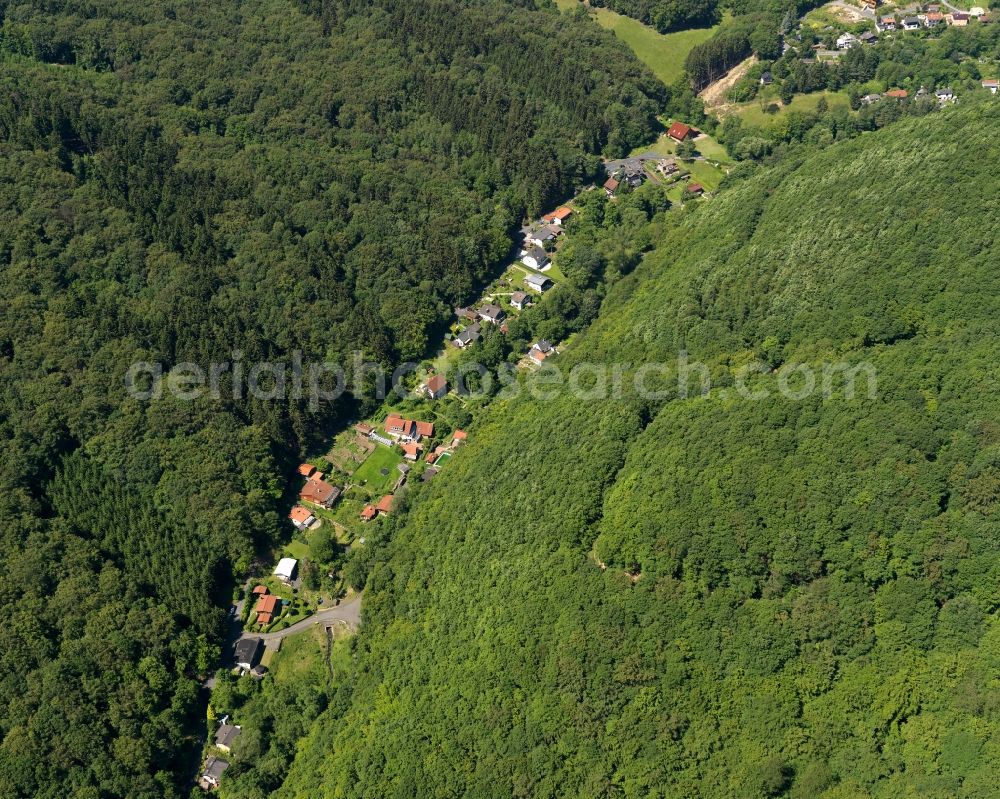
(538, 283)
(267, 608)
(945, 95)
(870, 99)
(411, 450)
(319, 492)
(535, 258)
(958, 19)
(435, 387)
(559, 216)
(539, 351)
(301, 517)
(399, 428)
(679, 132)
(407, 429)
(635, 178)
(468, 336)
(871, 5)
(667, 167)
(492, 314)
(695, 188)
(368, 513)
(846, 41)
(992, 84)
(868, 38)
(520, 300)
(226, 736)
(248, 652)
(544, 235)
(307, 470)
(425, 430)
(285, 570)
(466, 314)
(611, 186)
(933, 19)
(384, 506)
(458, 437)
(766, 78)
(897, 94)
(911, 24)
(212, 774)
(886, 24)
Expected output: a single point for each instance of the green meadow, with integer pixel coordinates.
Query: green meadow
(663, 53)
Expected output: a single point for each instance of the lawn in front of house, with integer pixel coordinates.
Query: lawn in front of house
(303, 654)
(370, 473)
(711, 149)
(663, 53)
(666, 147)
(296, 548)
(704, 173)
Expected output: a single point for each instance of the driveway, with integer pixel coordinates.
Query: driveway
(348, 611)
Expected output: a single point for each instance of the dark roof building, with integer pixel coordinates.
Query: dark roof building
(492, 313)
(468, 336)
(248, 652)
(214, 767)
(537, 282)
(226, 736)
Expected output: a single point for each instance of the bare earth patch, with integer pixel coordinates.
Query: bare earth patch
(714, 94)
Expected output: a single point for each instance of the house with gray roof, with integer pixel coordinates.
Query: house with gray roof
(212, 774)
(226, 736)
(535, 257)
(538, 283)
(468, 336)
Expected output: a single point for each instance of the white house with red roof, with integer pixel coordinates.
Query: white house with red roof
(302, 517)
(407, 429)
(559, 216)
(435, 387)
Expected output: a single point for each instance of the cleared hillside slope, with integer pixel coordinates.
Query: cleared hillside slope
(800, 595)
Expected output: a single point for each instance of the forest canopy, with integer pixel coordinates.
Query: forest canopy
(207, 182)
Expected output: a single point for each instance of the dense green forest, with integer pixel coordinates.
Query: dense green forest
(721, 595)
(229, 182)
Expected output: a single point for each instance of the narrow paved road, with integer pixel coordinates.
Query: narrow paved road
(348, 611)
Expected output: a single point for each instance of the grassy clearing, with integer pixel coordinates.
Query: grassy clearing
(753, 113)
(666, 147)
(296, 549)
(710, 148)
(705, 174)
(663, 53)
(370, 472)
(301, 655)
